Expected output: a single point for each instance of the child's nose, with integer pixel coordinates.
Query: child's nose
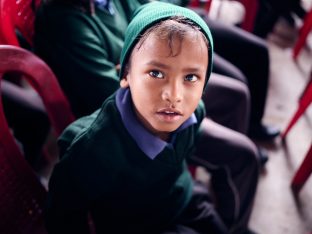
(173, 92)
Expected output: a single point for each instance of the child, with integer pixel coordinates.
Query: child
(125, 164)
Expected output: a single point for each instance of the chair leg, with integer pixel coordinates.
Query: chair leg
(303, 34)
(304, 102)
(302, 173)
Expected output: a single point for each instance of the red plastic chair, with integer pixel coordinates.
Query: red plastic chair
(20, 14)
(42, 79)
(251, 7)
(304, 102)
(303, 173)
(17, 14)
(22, 195)
(305, 168)
(303, 34)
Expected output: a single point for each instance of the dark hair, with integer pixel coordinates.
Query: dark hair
(170, 31)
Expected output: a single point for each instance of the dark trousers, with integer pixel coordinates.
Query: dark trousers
(243, 56)
(232, 160)
(229, 156)
(227, 102)
(199, 217)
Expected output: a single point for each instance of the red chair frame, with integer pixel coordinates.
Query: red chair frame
(305, 169)
(17, 14)
(303, 173)
(22, 195)
(303, 34)
(42, 79)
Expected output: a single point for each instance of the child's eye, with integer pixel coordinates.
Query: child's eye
(191, 78)
(156, 74)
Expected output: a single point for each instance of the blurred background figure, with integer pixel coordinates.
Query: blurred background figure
(270, 11)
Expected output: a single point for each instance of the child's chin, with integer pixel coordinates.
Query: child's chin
(167, 130)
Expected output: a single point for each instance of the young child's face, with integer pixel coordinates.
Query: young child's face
(166, 89)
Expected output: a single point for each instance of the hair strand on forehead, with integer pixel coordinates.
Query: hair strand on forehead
(173, 29)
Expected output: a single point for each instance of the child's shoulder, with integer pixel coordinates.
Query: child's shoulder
(75, 129)
(89, 128)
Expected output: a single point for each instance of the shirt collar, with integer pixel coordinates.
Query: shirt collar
(105, 5)
(150, 144)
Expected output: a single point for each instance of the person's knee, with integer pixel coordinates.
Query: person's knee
(246, 155)
(240, 94)
(234, 92)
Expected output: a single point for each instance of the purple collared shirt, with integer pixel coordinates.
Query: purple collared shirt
(150, 144)
(105, 5)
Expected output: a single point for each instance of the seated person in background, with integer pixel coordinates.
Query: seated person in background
(234, 47)
(270, 11)
(125, 163)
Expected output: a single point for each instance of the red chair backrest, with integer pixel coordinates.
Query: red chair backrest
(21, 194)
(42, 79)
(17, 14)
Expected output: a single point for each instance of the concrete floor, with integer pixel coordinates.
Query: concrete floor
(276, 210)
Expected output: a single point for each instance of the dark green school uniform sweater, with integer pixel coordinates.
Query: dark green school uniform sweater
(83, 49)
(105, 172)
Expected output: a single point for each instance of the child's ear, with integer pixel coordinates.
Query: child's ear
(124, 82)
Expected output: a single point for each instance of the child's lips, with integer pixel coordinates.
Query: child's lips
(169, 114)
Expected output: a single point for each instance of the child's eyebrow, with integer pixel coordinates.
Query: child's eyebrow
(164, 66)
(157, 64)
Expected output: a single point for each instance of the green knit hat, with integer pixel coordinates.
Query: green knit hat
(150, 14)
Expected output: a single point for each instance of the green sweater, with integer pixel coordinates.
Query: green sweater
(104, 171)
(83, 49)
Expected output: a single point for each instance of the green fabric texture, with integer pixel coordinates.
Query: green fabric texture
(104, 171)
(150, 14)
(83, 49)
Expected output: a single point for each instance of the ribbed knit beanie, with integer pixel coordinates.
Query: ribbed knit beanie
(151, 13)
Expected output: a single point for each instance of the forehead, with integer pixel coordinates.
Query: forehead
(172, 44)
